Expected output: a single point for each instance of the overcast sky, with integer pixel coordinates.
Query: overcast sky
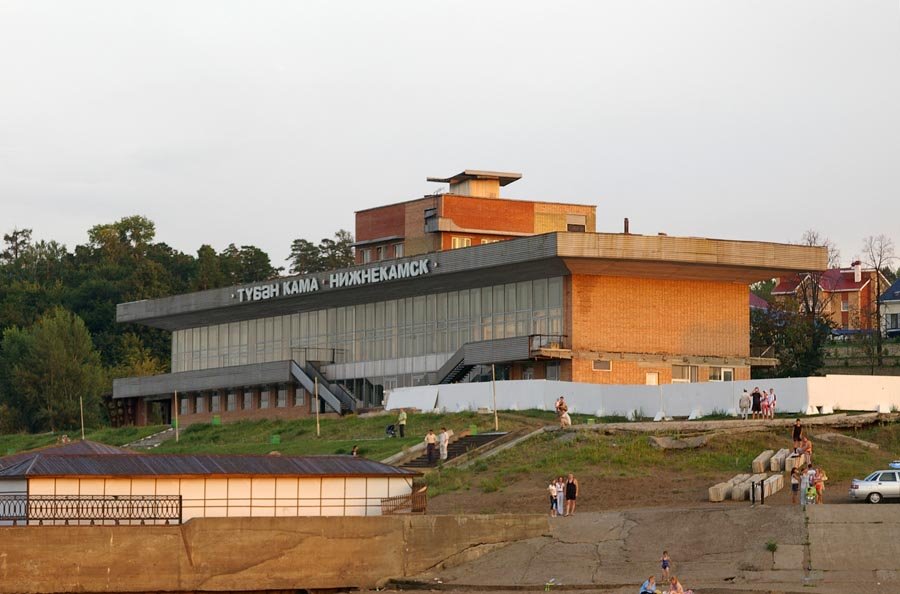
(260, 122)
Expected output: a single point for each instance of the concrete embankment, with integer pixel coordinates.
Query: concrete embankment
(246, 554)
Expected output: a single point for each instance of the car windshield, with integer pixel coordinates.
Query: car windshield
(872, 476)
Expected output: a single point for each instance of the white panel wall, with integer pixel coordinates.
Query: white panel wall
(676, 400)
(238, 497)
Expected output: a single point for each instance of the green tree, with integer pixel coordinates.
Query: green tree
(59, 369)
(209, 270)
(305, 257)
(18, 410)
(17, 241)
(798, 339)
(337, 252)
(763, 289)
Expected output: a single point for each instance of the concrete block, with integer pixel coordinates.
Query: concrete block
(773, 484)
(761, 462)
(739, 478)
(719, 492)
(741, 492)
(776, 464)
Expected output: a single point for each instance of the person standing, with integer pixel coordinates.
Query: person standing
(355, 451)
(401, 422)
(773, 401)
(562, 412)
(819, 483)
(551, 490)
(443, 442)
(665, 562)
(571, 494)
(744, 404)
(756, 406)
(764, 404)
(430, 443)
(797, 435)
(795, 484)
(560, 495)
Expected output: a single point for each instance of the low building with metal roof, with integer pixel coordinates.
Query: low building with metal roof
(50, 488)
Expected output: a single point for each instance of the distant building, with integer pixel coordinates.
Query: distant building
(65, 485)
(471, 213)
(438, 300)
(846, 295)
(757, 302)
(890, 310)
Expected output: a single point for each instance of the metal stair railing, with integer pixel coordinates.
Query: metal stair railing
(310, 386)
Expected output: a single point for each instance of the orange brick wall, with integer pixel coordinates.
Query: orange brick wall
(633, 372)
(386, 221)
(488, 213)
(678, 317)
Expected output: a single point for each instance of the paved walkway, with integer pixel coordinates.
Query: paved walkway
(836, 549)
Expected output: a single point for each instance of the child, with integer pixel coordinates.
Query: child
(666, 562)
(551, 489)
(795, 484)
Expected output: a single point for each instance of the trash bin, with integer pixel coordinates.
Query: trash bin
(217, 420)
(473, 429)
(275, 439)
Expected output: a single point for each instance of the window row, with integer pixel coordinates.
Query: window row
(251, 398)
(408, 327)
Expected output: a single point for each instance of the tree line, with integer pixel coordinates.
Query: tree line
(59, 339)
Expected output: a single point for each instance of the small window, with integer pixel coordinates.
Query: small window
(366, 256)
(215, 402)
(575, 228)
(299, 396)
(231, 403)
(684, 373)
(379, 252)
(553, 371)
(484, 241)
(281, 402)
(602, 365)
(398, 250)
(845, 306)
(461, 242)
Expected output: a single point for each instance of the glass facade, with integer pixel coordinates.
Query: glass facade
(438, 323)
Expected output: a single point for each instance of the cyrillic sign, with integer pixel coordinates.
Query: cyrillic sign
(352, 278)
(378, 274)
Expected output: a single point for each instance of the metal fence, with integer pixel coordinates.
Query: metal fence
(54, 509)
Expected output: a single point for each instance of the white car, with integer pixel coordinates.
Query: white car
(879, 485)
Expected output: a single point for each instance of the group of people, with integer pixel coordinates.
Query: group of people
(437, 443)
(810, 481)
(563, 496)
(675, 587)
(807, 481)
(562, 412)
(759, 404)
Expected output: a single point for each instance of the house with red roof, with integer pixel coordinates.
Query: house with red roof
(846, 296)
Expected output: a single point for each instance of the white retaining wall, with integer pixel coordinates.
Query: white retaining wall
(673, 400)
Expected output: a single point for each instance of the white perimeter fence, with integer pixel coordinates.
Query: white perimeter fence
(809, 395)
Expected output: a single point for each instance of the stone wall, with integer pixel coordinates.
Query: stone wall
(235, 554)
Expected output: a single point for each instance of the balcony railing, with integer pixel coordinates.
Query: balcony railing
(90, 508)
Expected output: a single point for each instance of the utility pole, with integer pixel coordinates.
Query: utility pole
(494, 391)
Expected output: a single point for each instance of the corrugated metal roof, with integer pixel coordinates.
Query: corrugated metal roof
(199, 465)
(72, 448)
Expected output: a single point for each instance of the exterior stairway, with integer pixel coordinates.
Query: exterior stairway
(454, 449)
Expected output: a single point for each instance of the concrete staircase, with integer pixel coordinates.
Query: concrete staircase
(456, 448)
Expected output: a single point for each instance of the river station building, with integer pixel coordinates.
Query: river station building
(447, 285)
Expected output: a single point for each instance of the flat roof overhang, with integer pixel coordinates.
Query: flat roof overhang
(539, 256)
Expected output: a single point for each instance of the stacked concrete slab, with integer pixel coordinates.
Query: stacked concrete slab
(722, 491)
(741, 491)
(761, 463)
(776, 462)
(773, 484)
